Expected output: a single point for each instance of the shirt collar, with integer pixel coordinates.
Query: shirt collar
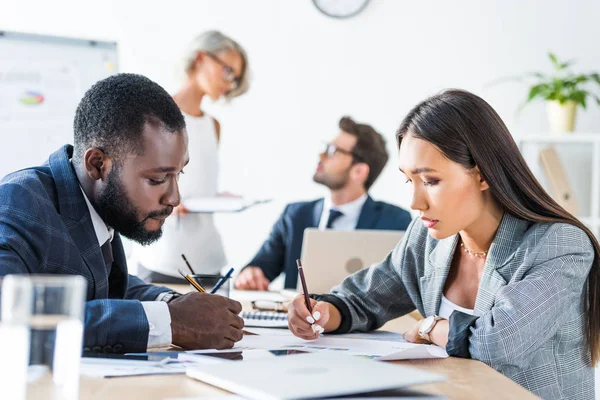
(103, 231)
(351, 209)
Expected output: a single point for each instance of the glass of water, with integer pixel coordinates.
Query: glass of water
(15, 310)
(56, 334)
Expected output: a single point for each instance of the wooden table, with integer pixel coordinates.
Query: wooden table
(467, 379)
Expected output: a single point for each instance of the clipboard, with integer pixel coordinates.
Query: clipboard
(220, 204)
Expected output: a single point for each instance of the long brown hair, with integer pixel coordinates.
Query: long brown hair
(468, 131)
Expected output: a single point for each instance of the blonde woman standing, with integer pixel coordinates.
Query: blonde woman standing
(216, 66)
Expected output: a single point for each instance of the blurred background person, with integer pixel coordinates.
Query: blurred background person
(216, 66)
(348, 167)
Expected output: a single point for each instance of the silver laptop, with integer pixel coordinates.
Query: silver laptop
(329, 256)
(306, 376)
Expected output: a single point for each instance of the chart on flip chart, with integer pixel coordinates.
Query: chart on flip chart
(42, 80)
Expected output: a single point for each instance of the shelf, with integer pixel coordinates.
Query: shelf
(559, 138)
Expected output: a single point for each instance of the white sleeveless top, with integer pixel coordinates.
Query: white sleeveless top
(446, 308)
(195, 235)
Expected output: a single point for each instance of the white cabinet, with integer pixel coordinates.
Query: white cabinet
(580, 158)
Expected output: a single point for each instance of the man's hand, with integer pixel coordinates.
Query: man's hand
(205, 321)
(252, 278)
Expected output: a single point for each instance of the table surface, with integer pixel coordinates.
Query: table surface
(466, 379)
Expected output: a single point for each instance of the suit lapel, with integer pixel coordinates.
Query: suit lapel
(436, 271)
(369, 215)
(76, 216)
(501, 253)
(316, 214)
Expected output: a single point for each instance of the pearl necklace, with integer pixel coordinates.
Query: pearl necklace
(481, 254)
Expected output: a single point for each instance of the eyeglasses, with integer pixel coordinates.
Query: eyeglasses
(228, 72)
(331, 149)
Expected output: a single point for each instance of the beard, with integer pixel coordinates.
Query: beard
(332, 182)
(116, 211)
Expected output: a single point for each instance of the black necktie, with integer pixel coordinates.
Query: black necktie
(333, 215)
(107, 254)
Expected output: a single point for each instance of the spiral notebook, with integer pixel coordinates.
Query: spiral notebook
(265, 319)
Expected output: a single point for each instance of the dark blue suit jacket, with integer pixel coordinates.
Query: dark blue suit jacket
(46, 228)
(283, 247)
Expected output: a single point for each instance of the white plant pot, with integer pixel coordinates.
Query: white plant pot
(561, 117)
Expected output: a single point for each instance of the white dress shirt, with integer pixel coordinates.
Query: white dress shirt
(157, 312)
(351, 211)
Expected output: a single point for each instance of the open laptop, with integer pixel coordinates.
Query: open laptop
(329, 256)
(308, 376)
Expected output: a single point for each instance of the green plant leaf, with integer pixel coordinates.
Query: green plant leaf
(562, 86)
(566, 64)
(536, 91)
(579, 97)
(554, 60)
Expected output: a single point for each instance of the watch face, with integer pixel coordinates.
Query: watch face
(426, 324)
(340, 8)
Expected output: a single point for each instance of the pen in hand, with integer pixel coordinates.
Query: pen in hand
(316, 328)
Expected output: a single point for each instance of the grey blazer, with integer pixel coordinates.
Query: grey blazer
(530, 300)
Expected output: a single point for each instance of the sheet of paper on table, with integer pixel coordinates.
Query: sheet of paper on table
(375, 349)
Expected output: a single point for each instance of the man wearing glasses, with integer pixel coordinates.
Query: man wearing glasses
(348, 166)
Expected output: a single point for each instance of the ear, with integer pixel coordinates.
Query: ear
(483, 185)
(97, 164)
(360, 172)
(199, 59)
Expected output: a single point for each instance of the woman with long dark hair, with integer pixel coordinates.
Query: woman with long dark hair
(499, 270)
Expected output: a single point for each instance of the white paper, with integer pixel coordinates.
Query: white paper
(106, 367)
(219, 204)
(385, 336)
(224, 397)
(250, 295)
(374, 349)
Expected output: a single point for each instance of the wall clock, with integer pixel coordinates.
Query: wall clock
(340, 8)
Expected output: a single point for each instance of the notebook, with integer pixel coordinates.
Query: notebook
(265, 319)
(306, 376)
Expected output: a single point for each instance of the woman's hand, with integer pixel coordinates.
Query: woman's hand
(438, 335)
(412, 335)
(325, 318)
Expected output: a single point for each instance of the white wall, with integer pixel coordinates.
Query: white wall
(308, 70)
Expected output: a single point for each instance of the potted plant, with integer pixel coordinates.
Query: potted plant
(564, 91)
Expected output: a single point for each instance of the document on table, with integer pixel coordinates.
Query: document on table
(220, 204)
(375, 349)
(111, 368)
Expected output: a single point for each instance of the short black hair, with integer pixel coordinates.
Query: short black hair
(369, 147)
(113, 112)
